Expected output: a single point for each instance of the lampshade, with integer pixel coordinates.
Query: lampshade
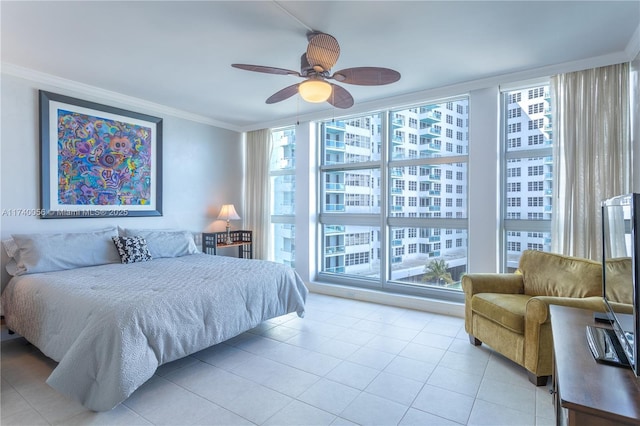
(228, 212)
(314, 90)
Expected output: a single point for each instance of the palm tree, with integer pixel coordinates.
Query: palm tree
(436, 271)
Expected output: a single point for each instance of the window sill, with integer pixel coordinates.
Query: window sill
(375, 296)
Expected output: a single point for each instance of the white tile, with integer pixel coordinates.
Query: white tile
(544, 402)
(12, 402)
(339, 421)
(487, 413)
(291, 381)
(120, 415)
(410, 368)
(329, 396)
(387, 344)
(357, 337)
(455, 380)
(396, 388)
(342, 320)
(163, 402)
(281, 333)
(51, 405)
(29, 417)
(306, 360)
(444, 403)
(415, 320)
(298, 413)
(369, 409)
(521, 398)
(223, 356)
(257, 403)
(371, 358)
(469, 363)
(422, 353)
(212, 383)
(504, 370)
(415, 417)
(352, 374)
(433, 339)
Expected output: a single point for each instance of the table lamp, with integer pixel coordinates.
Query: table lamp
(228, 212)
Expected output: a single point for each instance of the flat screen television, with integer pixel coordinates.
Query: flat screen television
(620, 283)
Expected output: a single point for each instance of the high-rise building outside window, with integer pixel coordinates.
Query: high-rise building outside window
(403, 210)
(283, 195)
(527, 196)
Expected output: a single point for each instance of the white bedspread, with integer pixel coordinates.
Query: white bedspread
(111, 326)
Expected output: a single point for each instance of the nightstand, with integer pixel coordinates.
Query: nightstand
(212, 241)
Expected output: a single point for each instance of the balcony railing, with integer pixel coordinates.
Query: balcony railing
(334, 229)
(431, 117)
(331, 144)
(334, 186)
(334, 207)
(334, 250)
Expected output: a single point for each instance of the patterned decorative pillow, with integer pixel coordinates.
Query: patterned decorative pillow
(132, 249)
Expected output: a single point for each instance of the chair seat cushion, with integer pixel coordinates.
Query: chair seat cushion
(505, 309)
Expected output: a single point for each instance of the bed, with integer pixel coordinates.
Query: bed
(109, 326)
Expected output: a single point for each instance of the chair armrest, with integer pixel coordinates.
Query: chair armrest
(492, 283)
(487, 283)
(537, 309)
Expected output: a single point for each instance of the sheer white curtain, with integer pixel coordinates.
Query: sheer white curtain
(258, 190)
(592, 154)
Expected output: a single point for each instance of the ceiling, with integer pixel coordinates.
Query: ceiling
(178, 54)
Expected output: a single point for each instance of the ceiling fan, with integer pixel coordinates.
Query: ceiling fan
(322, 53)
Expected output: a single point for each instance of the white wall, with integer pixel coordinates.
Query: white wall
(202, 168)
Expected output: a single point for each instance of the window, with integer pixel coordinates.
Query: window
(529, 172)
(283, 201)
(413, 205)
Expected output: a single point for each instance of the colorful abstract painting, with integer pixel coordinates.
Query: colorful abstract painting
(102, 162)
(98, 160)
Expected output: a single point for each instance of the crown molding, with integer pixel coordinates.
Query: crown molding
(633, 47)
(439, 93)
(107, 95)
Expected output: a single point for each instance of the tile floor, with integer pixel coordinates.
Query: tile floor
(347, 362)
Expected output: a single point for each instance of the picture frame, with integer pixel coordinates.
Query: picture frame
(97, 160)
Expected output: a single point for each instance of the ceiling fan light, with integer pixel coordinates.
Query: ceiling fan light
(314, 91)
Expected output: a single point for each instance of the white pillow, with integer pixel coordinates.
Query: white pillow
(166, 243)
(10, 247)
(56, 252)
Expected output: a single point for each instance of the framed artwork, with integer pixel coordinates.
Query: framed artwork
(97, 160)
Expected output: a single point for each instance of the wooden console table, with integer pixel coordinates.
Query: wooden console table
(212, 241)
(587, 392)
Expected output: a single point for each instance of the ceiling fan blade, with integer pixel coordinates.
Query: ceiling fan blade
(283, 94)
(323, 50)
(366, 76)
(268, 70)
(340, 97)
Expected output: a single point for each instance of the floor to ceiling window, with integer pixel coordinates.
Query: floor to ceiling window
(283, 189)
(394, 198)
(528, 172)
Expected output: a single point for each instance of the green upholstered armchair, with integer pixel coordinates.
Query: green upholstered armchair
(510, 312)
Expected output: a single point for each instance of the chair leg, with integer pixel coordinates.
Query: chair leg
(474, 341)
(537, 380)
